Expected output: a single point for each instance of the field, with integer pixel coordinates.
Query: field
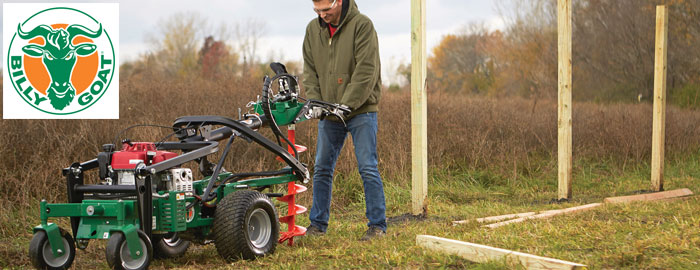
(487, 157)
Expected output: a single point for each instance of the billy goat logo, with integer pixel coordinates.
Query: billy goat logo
(59, 55)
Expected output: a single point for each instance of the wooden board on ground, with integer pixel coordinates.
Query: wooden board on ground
(504, 217)
(675, 199)
(481, 253)
(650, 196)
(496, 218)
(546, 214)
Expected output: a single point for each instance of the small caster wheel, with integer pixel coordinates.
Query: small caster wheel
(169, 246)
(43, 258)
(119, 256)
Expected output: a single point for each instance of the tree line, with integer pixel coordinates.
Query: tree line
(186, 45)
(613, 52)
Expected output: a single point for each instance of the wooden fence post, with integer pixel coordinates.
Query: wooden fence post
(564, 124)
(659, 126)
(419, 110)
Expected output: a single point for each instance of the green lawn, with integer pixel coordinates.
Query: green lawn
(651, 235)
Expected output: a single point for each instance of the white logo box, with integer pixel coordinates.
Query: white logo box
(20, 103)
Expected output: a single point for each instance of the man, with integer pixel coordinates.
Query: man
(341, 65)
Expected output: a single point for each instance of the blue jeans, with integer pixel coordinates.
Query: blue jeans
(331, 137)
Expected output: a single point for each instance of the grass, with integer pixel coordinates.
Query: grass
(651, 235)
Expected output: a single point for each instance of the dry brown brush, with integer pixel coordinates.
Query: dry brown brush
(498, 135)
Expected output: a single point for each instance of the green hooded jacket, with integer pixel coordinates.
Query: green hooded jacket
(344, 69)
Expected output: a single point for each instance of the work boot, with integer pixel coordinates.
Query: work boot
(373, 232)
(314, 231)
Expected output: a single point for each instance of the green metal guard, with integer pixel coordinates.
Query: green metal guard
(99, 219)
(173, 215)
(284, 112)
(258, 182)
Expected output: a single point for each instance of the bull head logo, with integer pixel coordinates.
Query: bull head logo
(59, 56)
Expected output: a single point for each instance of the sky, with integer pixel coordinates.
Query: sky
(286, 20)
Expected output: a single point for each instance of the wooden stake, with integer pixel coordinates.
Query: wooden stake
(481, 253)
(659, 125)
(520, 217)
(564, 125)
(650, 197)
(419, 110)
(546, 214)
(496, 218)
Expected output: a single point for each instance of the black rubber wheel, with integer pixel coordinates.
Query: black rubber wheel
(169, 246)
(245, 226)
(42, 257)
(119, 256)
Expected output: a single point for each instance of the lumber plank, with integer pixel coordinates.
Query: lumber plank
(546, 214)
(481, 253)
(504, 217)
(677, 199)
(496, 218)
(650, 196)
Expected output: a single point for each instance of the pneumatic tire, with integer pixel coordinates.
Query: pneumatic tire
(245, 226)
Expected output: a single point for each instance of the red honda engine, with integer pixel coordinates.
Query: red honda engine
(123, 162)
(135, 153)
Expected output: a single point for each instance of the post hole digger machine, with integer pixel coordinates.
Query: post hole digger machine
(147, 204)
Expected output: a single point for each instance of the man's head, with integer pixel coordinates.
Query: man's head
(329, 10)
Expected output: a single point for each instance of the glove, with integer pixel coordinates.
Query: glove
(316, 113)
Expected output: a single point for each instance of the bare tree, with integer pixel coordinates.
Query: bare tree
(613, 47)
(177, 40)
(527, 60)
(247, 34)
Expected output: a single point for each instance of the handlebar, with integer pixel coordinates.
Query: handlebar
(338, 110)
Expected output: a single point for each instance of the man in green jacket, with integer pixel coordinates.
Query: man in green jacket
(341, 65)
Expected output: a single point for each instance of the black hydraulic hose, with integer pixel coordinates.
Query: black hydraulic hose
(116, 138)
(207, 192)
(267, 110)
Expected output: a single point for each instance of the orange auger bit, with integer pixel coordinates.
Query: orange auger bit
(293, 209)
